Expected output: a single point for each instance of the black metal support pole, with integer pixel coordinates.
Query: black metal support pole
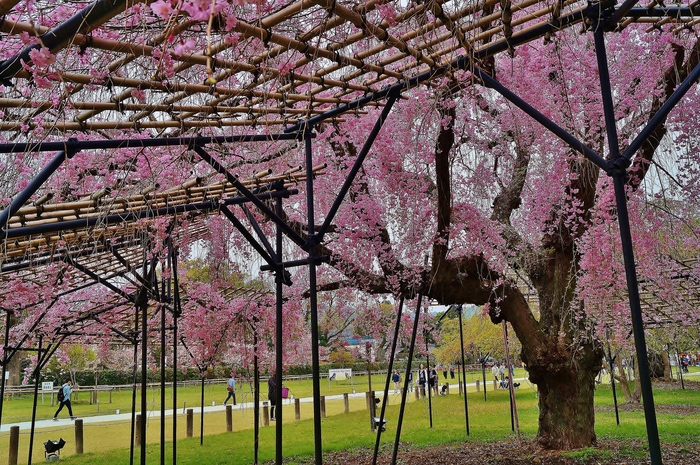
(162, 384)
(611, 362)
(37, 375)
(34, 185)
(256, 394)
(430, 390)
(464, 371)
(619, 175)
(279, 281)
(358, 164)
(233, 180)
(143, 306)
(176, 313)
(558, 131)
(679, 368)
(133, 387)
(201, 413)
(8, 319)
(313, 299)
(483, 374)
(388, 380)
(411, 349)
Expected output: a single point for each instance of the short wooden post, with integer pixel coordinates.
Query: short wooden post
(229, 418)
(368, 399)
(14, 445)
(323, 406)
(478, 386)
(346, 402)
(266, 414)
(417, 392)
(137, 430)
(297, 409)
(459, 383)
(495, 384)
(447, 391)
(78, 436)
(190, 423)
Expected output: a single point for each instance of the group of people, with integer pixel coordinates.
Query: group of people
(498, 370)
(271, 393)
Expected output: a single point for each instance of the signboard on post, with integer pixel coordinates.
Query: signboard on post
(339, 374)
(47, 386)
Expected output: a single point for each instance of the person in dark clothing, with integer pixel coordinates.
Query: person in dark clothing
(65, 402)
(272, 394)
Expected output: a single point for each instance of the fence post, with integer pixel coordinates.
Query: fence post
(190, 423)
(78, 436)
(478, 385)
(297, 409)
(323, 406)
(137, 430)
(368, 399)
(229, 418)
(14, 445)
(346, 401)
(266, 414)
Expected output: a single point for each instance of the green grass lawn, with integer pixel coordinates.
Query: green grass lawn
(489, 421)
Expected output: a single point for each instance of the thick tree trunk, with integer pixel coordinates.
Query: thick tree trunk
(567, 416)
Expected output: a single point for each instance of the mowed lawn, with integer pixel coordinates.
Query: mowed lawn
(489, 420)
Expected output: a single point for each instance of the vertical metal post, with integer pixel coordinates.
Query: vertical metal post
(201, 413)
(8, 316)
(37, 372)
(611, 361)
(176, 313)
(143, 302)
(411, 349)
(279, 279)
(162, 384)
(619, 175)
(256, 393)
(430, 390)
(133, 388)
(679, 368)
(464, 370)
(313, 299)
(511, 388)
(388, 380)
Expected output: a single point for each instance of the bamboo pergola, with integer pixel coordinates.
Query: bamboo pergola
(272, 70)
(110, 75)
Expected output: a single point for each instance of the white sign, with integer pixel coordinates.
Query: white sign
(339, 374)
(7, 375)
(47, 385)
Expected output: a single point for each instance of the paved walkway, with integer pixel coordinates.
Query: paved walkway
(124, 417)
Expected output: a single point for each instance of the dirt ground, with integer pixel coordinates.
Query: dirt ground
(511, 453)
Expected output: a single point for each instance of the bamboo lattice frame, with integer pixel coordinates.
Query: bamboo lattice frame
(268, 71)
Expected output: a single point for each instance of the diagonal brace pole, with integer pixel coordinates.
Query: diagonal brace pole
(233, 180)
(619, 176)
(357, 165)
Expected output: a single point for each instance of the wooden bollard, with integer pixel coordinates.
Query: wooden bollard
(78, 436)
(297, 409)
(323, 406)
(229, 418)
(14, 445)
(266, 414)
(417, 392)
(137, 430)
(368, 399)
(346, 402)
(478, 387)
(459, 383)
(495, 384)
(190, 423)
(447, 391)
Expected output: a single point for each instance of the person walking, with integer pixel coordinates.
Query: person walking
(231, 388)
(422, 379)
(396, 378)
(272, 394)
(64, 399)
(433, 380)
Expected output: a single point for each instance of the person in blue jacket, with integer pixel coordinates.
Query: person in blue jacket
(65, 402)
